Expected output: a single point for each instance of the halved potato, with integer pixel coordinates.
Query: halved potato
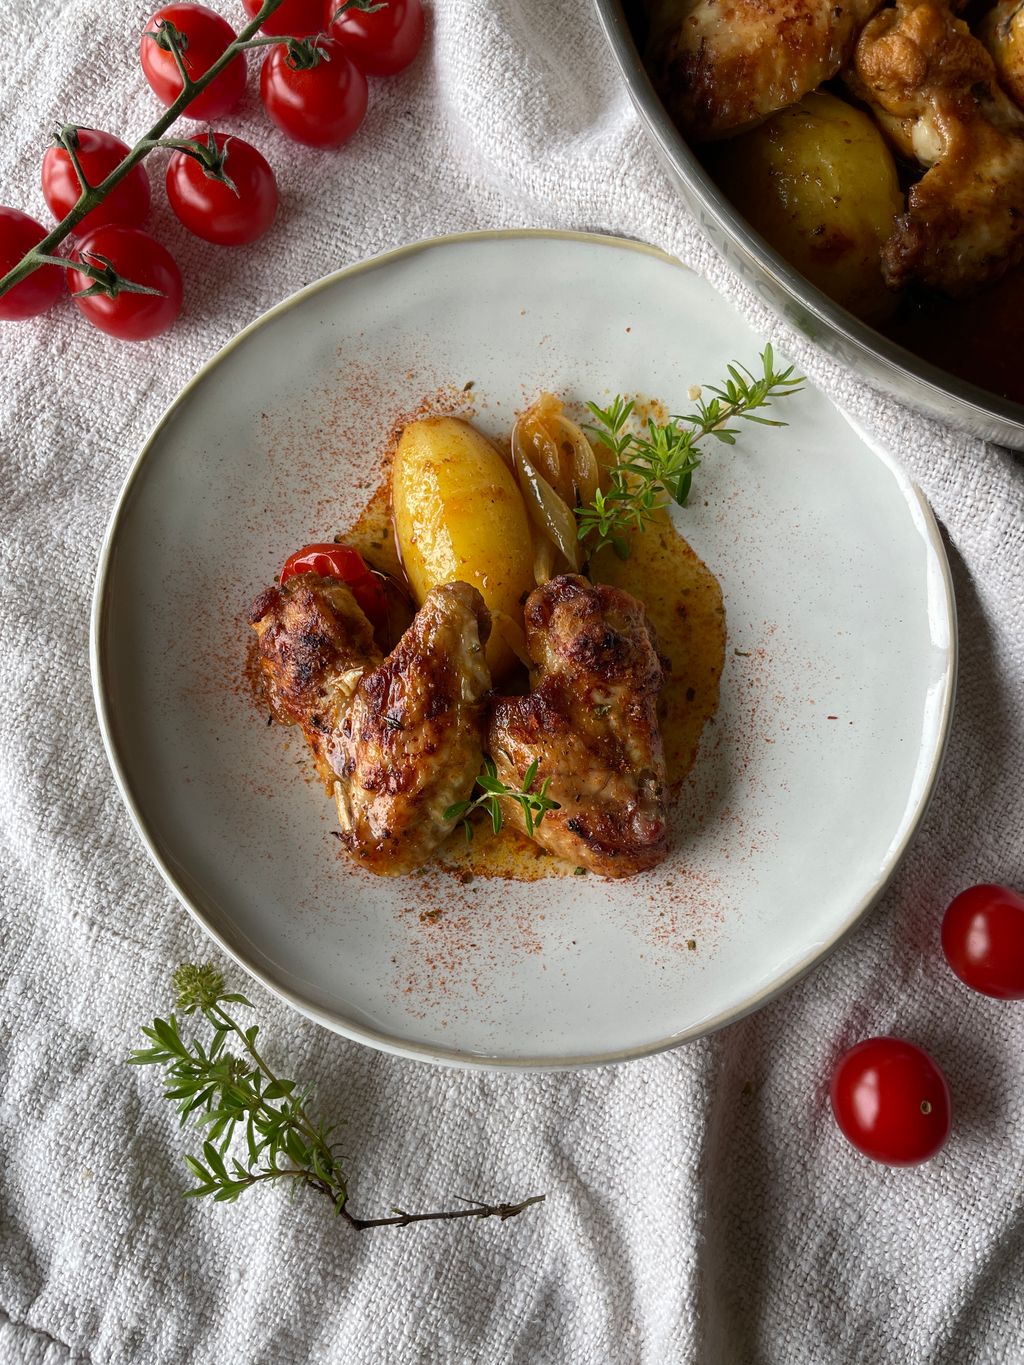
(459, 516)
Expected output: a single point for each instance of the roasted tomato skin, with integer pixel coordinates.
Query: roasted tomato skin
(983, 940)
(341, 561)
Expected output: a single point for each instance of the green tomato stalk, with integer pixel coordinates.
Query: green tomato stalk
(168, 37)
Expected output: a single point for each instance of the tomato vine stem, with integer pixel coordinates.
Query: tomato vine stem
(91, 195)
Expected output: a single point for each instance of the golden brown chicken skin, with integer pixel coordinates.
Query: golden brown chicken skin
(396, 741)
(724, 65)
(933, 88)
(591, 724)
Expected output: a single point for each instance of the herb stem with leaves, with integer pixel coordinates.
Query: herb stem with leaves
(657, 465)
(224, 1091)
(534, 804)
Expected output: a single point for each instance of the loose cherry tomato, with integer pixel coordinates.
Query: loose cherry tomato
(140, 259)
(36, 292)
(213, 210)
(891, 1101)
(321, 105)
(206, 35)
(299, 18)
(341, 561)
(983, 939)
(382, 41)
(98, 153)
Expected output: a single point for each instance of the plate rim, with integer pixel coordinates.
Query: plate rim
(435, 1053)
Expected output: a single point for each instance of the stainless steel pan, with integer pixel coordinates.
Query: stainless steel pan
(853, 343)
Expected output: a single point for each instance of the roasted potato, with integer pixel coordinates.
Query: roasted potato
(459, 516)
(1002, 32)
(819, 183)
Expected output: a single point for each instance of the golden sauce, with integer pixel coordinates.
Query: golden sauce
(684, 602)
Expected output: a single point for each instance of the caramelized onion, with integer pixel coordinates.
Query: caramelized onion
(557, 472)
(558, 450)
(550, 514)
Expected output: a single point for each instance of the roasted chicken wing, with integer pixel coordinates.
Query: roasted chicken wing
(591, 723)
(396, 741)
(724, 65)
(933, 89)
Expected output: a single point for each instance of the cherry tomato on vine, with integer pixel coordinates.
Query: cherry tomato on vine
(891, 1101)
(382, 41)
(321, 105)
(213, 210)
(36, 292)
(140, 259)
(341, 561)
(205, 35)
(299, 18)
(983, 940)
(98, 153)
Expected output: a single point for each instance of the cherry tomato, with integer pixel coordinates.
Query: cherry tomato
(36, 292)
(319, 105)
(983, 940)
(213, 210)
(136, 257)
(299, 18)
(98, 154)
(341, 561)
(206, 36)
(384, 41)
(891, 1101)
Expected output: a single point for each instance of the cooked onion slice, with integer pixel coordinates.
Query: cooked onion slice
(557, 472)
(550, 514)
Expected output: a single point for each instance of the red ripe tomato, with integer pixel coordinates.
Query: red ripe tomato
(891, 1101)
(36, 292)
(140, 259)
(212, 209)
(321, 105)
(341, 561)
(299, 18)
(383, 41)
(98, 153)
(983, 940)
(206, 36)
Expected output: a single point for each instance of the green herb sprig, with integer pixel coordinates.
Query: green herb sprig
(657, 464)
(225, 1092)
(535, 804)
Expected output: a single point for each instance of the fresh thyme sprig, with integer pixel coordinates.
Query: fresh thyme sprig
(658, 464)
(535, 804)
(224, 1091)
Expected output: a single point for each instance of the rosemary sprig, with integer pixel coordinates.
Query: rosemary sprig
(653, 466)
(535, 804)
(225, 1092)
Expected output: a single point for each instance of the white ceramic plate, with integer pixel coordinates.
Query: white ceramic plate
(836, 695)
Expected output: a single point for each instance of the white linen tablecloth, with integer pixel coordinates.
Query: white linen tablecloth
(701, 1205)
